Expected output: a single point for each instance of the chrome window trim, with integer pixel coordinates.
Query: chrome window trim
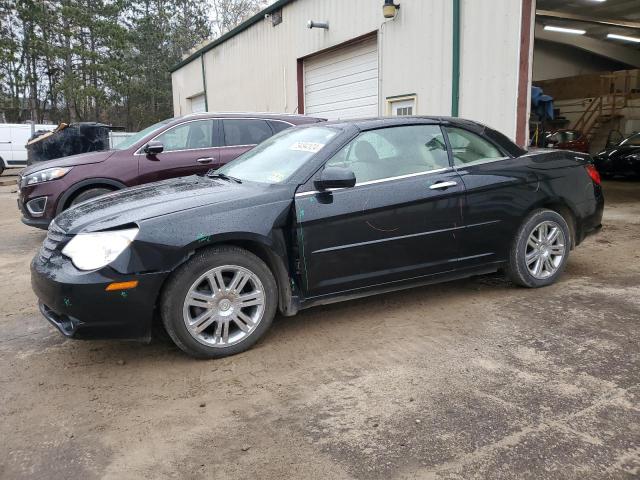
(183, 150)
(237, 146)
(478, 162)
(276, 120)
(374, 182)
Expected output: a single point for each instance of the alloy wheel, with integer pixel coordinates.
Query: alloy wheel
(546, 248)
(224, 306)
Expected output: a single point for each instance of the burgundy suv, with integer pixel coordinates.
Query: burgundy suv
(176, 147)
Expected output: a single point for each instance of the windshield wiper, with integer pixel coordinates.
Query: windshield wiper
(214, 174)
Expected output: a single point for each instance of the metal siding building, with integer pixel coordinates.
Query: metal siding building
(365, 65)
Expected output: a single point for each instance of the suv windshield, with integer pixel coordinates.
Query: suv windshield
(136, 137)
(276, 159)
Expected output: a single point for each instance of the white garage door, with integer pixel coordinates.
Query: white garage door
(343, 83)
(197, 104)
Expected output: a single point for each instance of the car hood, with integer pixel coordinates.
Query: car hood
(133, 205)
(70, 161)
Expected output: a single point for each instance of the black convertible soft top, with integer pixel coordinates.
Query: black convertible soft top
(501, 140)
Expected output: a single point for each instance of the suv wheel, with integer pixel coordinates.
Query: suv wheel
(89, 194)
(219, 303)
(540, 249)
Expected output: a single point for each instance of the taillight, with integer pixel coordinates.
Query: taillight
(593, 173)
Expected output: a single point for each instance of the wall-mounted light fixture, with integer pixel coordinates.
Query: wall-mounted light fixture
(390, 8)
(312, 24)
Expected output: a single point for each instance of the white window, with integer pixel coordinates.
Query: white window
(401, 107)
(197, 104)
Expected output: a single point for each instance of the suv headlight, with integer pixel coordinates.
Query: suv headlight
(90, 251)
(45, 175)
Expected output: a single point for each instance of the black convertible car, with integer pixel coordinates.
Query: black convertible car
(313, 215)
(620, 158)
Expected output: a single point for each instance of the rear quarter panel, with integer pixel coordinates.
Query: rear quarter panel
(501, 194)
(564, 179)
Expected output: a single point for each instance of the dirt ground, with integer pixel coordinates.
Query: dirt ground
(470, 379)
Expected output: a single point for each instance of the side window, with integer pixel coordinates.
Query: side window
(392, 152)
(245, 132)
(187, 136)
(279, 126)
(469, 148)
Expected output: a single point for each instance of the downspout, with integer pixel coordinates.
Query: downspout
(204, 83)
(382, 107)
(455, 68)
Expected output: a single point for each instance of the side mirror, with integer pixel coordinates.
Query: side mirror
(153, 148)
(335, 177)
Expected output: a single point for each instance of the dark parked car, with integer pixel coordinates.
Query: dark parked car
(313, 215)
(620, 158)
(564, 139)
(176, 147)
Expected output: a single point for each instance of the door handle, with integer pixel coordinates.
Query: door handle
(443, 185)
(205, 160)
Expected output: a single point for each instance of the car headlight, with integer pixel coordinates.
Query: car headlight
(89, 251)
(45, 175)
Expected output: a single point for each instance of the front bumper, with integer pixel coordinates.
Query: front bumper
(50, 192)
(42, 221)
(78, 305)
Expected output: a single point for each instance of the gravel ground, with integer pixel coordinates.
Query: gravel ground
(470, 379)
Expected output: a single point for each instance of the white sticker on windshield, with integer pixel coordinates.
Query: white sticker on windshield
(307, 147)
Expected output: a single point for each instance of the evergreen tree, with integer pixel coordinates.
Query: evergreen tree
(102, 60)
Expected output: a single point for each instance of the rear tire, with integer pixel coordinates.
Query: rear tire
(88, 195)
(540, 249)
(219, 303)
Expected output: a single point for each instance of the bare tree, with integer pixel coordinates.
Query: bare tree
(230, 13)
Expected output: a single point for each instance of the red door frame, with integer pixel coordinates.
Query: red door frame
(524, 72)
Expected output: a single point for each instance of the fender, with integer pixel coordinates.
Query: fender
(273, 251)
(86, 183)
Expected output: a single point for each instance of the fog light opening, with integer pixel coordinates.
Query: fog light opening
(36, 206)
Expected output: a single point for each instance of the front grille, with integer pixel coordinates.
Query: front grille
(55, 235)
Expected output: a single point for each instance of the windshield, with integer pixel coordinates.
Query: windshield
(275, 160)
(136, 137)
(633, 140)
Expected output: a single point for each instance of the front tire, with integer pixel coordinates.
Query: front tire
(540, 249)
(219, 303)
(89, 194)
